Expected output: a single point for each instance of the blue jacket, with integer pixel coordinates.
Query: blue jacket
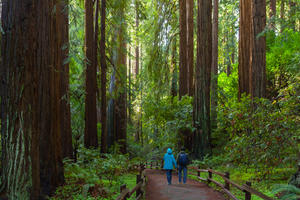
(169, 160)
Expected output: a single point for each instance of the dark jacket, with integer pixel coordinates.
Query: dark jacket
(182, 152)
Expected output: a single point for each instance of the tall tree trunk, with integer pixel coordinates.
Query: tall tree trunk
(103, 80)
(90, 131)
(214, 83)
(203, 79)
(20, 135)
(190, 46)
(111, 112)
(137, 48)
(174, 73)
(51, 166)
(120, 86)
(129, 86)
(258, 65)
(292, 13)
(4, 83)
(245, 33)
(141, 118)
(63, 53)
(282, 14)
(183, 68)
(273, 13)
(32, 165)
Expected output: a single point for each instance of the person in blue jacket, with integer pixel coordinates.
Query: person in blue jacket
(169, 161)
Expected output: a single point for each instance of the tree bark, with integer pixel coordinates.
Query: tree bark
(90, 131)
(137, 48)
(214, 83)
(63, 52)
(282, 14)
(203, 79)
(183, 68)
(190, 46)
(273, 13)
(245, 33)
(120, 111)
(174, 85)
(292, 14)
(20, 155)
(32, 165)
(129, 87)
(103, 80)
(258, 64)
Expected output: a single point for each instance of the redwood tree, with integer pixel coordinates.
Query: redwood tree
(203, 78)
(252, 49)
(190, 46)
(103, 80)
(174, 86)
(63, 53)
(120, 108)
(183, 68)
(282, 14)
(90, 131)
(258, 64)
(245, 33)
(214, 68)
(137, 47)
(273, 12)
(31, 147)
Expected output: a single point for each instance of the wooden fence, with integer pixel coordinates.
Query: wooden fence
(126, 193)
(246, 188)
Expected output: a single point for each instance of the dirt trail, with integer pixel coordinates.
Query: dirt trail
(158, 189)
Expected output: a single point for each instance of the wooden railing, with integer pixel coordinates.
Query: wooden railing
(140, 181)
(246, 188)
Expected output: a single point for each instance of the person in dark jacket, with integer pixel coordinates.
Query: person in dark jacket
(183, 161)
(169, 161)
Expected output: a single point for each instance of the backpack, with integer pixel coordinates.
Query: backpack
(183, 159)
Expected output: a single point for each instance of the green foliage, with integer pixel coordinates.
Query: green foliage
(283, 61)
(164, 118)
(228, 85)
(93, 175)
(287, 192)
(211, 162)
(256, 131)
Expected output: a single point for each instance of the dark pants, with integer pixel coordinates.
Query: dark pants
(180, 169)
(169, 176)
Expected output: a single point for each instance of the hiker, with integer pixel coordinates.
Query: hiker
(169, 161)
(183, 161)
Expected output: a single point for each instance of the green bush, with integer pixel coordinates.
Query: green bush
(93, 175)
(254, 132)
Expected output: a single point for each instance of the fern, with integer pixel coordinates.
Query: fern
(289, 192)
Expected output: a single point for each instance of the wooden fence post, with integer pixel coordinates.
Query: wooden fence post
(227, 185)
(248, 194)
(122, 188)
(138, 179)
(209, 176)
(162, 164)
(151, 164)
(198, 172)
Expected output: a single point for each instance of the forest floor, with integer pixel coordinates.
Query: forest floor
(158, 189)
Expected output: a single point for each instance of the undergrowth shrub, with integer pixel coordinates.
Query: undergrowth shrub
(261, 133)
(93, 175)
